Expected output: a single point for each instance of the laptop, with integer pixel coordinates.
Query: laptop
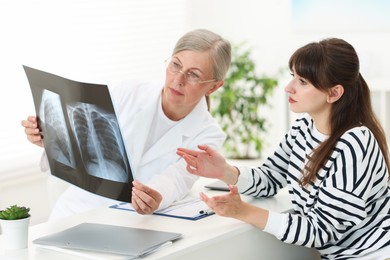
(82, 137)
(111, 239)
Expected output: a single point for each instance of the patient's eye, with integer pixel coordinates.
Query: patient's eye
(303, 81)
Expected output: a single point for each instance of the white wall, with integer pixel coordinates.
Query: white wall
(91, 41)
(265, 26)
(276, 30)
(29, 191)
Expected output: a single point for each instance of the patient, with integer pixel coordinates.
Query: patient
(155, 120)
(334, 162)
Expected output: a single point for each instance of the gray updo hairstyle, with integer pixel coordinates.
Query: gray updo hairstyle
(204, 40)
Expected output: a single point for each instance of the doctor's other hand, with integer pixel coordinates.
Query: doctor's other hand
(32, 131)
(145, 200)
(208, 163)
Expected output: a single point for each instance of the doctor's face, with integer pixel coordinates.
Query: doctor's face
(189, 77)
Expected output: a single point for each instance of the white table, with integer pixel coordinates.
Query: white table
(213, 237)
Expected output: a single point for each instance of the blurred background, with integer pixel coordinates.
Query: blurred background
(99, 41)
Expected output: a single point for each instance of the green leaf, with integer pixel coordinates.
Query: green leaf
(14, 212)
(237, 105)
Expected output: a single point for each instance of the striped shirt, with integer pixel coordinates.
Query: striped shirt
(345, 212)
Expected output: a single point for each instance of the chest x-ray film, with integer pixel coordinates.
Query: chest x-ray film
(81, 134)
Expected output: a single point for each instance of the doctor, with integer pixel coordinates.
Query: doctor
(157, 119)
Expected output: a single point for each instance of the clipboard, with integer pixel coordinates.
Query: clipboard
(190, 209)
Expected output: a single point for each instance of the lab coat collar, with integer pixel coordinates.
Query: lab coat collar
(175, 136)
(195, 118)
(143, 117)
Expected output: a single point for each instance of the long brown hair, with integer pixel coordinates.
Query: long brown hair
(333, 62)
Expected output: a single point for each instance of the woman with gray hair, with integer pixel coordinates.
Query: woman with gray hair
(156, 119)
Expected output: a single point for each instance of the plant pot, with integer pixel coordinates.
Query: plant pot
(15, 233)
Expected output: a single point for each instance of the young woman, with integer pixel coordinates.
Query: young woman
(334, 162)
(155, 119)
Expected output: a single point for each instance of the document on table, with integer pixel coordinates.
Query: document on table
(189, 208)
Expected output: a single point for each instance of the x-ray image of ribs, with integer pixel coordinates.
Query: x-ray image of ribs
(98, 138)
(56, 135)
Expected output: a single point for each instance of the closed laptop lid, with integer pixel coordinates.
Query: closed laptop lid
(109, 239)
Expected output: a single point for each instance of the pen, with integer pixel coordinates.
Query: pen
(206, 212)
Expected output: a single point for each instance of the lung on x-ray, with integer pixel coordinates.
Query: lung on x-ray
(81, 134)
(53, 122)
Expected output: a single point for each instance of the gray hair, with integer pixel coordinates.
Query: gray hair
(204, 40)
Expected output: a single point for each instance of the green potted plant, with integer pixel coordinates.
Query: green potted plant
(14, 212)
(14, 222)
(237, 106)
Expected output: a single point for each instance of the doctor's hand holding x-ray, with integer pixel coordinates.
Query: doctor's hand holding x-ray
(145, 200)
(157, 119)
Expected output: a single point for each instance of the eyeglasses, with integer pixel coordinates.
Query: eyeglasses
(191, 76)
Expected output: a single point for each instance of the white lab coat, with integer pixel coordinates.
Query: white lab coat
(159, 167)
